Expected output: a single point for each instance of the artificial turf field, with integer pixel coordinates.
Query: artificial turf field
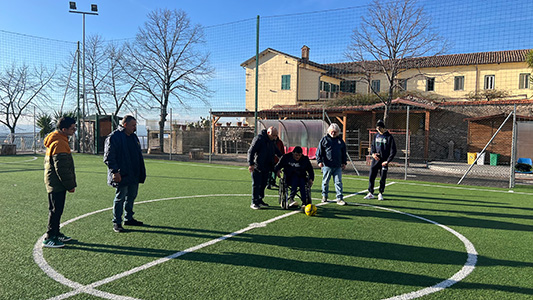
(202, 241)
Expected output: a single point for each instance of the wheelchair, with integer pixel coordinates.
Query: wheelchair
(284, 192)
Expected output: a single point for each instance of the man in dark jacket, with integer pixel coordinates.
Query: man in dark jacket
(59, 177)
(383, 150)
(125, 163)
(298, 169)
(260, 163)
(331, 157)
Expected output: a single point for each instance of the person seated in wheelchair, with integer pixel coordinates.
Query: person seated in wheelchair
(298, 173)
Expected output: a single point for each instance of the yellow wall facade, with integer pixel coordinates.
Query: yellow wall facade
(271, 68)
(506, 77)
(308, 84)
(305, 81)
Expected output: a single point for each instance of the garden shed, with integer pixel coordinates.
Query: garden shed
(481, 130)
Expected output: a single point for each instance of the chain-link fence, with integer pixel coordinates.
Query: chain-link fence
(445, 99)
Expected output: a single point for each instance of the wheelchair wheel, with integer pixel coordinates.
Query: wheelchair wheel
(308, 192)
(283, 193)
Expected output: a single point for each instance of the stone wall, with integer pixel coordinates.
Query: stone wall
(448, 127)
(183, 140)
(448, 124)
(233, 139)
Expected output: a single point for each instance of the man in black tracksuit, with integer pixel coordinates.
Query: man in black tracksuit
(383, 150)
(297, 168)
(260, 163)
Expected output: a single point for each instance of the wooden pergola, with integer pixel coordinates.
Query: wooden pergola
(340, 113)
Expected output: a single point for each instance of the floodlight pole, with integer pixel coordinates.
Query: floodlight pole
(256, 74)
(94, 11)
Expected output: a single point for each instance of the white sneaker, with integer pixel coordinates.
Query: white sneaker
(292, 203)
(341, 202)
(324, 199)
(369, 196)
(380, 197)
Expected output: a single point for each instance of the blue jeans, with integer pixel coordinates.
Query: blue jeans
(327, 173)
(124, 198)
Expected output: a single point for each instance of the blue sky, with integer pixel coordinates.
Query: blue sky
(120, 19)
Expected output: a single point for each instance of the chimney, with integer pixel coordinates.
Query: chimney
(305, 53)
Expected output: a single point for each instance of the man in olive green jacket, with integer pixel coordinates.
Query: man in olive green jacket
(59, 177)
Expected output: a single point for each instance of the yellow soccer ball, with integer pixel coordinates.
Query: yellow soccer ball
(310, 209)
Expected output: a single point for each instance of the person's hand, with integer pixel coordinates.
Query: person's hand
(72, 190)
(375, 156)
(343, 167)
(321, 165)
(251, 168)
(385, 163)
(279, 174)
(117, 178)
(310, 182)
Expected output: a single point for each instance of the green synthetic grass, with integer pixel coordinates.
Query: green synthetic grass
(345, 252)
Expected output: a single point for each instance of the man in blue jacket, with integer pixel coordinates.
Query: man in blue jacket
(331, 157)
(383, 150)
(124, 159)
(260, 162)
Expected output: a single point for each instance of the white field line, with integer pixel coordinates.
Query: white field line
(205, 165)
(18, 162)
(453, 187)
(91, 288)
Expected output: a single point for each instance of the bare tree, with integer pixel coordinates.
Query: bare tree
(109, 88)
(391, 37)
(20, 87)
(107, 78)
(96, 70)
(168, 61)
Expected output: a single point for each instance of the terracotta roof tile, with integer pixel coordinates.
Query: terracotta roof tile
(479, 58)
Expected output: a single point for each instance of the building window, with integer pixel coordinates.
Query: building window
(348, 86)
(430, 84)
(403, 84)
(325, 86)
(489, 82)
(459, 83)
(285, 82)
(376, 85)
(524, 81)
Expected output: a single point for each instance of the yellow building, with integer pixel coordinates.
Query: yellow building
(288, 80)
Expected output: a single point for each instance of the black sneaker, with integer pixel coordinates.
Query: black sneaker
(133, 222)
(53, 242)
(118, 228)
(263, 204)
(63, 238)
(255, 206)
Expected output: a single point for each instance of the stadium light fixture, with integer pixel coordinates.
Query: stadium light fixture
(94, 11)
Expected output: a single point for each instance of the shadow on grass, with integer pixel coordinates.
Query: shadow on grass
(460, 219)
(334, 246)
(337, 271)
(119, 250)
(21, 170)
(461, 202)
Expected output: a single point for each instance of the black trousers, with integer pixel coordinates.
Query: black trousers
(375, 168)
(259, 183)
(56, 204)
(298, 183)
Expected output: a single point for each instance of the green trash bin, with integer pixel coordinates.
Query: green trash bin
(494, 159)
